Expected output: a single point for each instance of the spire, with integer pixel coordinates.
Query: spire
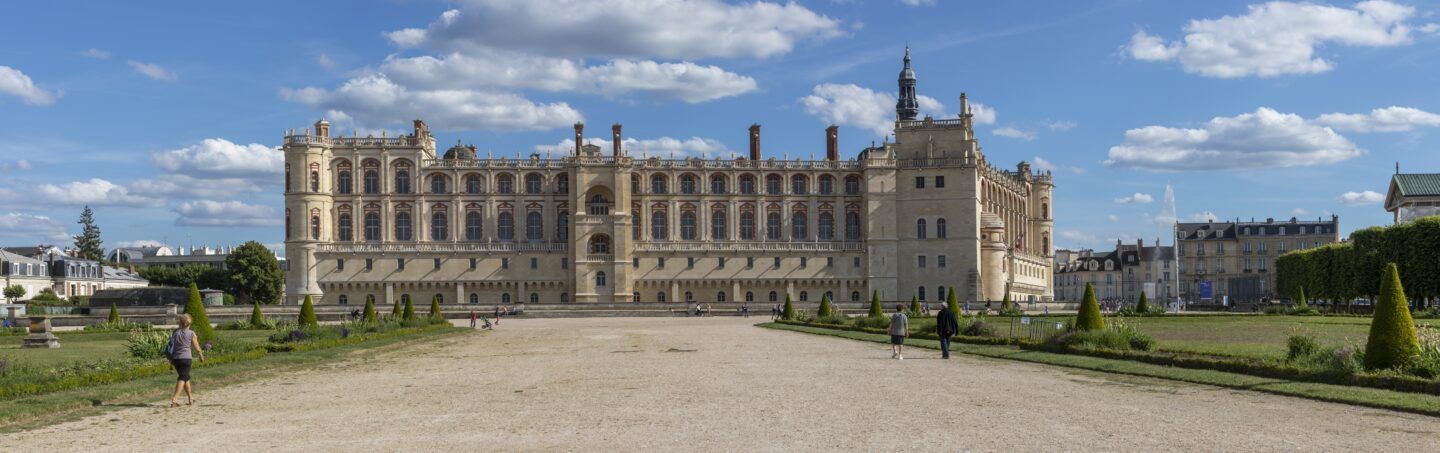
(907, 109)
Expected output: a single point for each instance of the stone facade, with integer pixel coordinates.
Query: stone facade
(389, 218)
(1236, 259)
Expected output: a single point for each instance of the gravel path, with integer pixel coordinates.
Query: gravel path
(719, 384)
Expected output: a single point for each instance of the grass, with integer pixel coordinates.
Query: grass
(39, 410)
(86, 346)
(1360, 396)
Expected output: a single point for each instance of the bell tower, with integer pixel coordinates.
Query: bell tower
(908, 108)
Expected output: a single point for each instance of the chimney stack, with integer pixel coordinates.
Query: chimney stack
(421, 130)
(754, 142)
(579, 137)
(832, 143)
(615, 131)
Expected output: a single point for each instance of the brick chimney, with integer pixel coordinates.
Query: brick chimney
(754, 142)
(615, 134)
(579, 137)
(832, 143)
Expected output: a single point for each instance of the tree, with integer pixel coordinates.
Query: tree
(257, 317)
(201, 275)
(369, 314)
(395, 310)
(435, 308)
(789, 313)
(1005, 303)
(200, 323)
(114, 315)
(409, 312)
(875, 310)
(14, 292)
(826, 310)
(1089, 317)
(255, 274)
(1392, 341)
(952, 303)
(307, 314)
(88, 244)
(1143, 306)
(914, 306)
(1300, 298)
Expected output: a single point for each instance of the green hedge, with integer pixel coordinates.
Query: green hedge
(1342, 272)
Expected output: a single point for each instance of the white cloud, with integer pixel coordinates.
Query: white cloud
(184, 186)
(1012, 132)
(140, 243)
(1113, 218)
(1079, 239)
(1138, 197)
(623, 28)
(16, 83)
(1389, 119)
(1277, 38)
(684, 81)
(96, 54)
(210, 213)
(18, 165)
(663, 147)
(376, 101)
(852, 105)
(1061, 125)
(1043, 164)
(983, 114)
(1299, 212)
(154, 71)
(1263, 139)
(325, 61)
(1203, 216)
(1361, 198)
(1077, 170)
(918, 2)
(222, 158)
(95, 192)
(15, 227)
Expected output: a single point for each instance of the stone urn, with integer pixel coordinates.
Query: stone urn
(41, 335)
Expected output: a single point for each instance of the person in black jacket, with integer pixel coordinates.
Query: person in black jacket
(946, 326)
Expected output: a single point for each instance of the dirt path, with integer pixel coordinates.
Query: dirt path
(719, 384)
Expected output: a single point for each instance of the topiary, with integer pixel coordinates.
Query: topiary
(307, 314)
(435, 308)
(1005, 303)
(257, 318)
(951, 303)
(826, 310)
(914, 306)
(395, 310)
(409, 312)
(114, 315)
(875, 310)
(1089, 317)
(789, 312)
(199, 322)
(1143, 306)
(1393, 342)
(1300, 301)
(369, 314)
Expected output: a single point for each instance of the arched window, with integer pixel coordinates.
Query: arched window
(852, 185)
(749, 296)
(562, 227)
(689, 296)
(827, 185)
(315, 227)
(635, 296)
(562, 184)
(799, 185)
(505, 298)
(747, 226)
(920, 229)
(772, 226)
(314, 181)
(827, 226)
(854, 296)
(287, 182)
(599, 205)
(564, 298)
(474, 298)
(687, 226)
(687, 183)
(804, 296)
(372, 226)
(402, 181)
(773, 296)
(505, 183)
(829, 295)
(343, 182)
(404, 298)
(635, 226)
(658, 226)
(799, 226)
(472, 184)
(747, 185)
(717, 184)
(439, 226)
(473, 229)
(657, 184)
(344, 300)
(534, 227)
(372, 182)
(772, 184)
(600, 278)
(600, 244)
(346, 228)
(717, 225)
(402, 226)
(533, 183)
(852, 226)
(534, 298)
(506, 227)
(940, 293)
(660, 297)
(720, 297)
(439, 298)
(1045, 244)
(921, 293)
(940, 228)
(438, 184)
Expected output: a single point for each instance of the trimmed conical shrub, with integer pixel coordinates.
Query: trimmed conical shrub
(914, 306)
(1005, 303)
(435, 308)
(1143, 306)
(409, 312)
(1300, 301)
(307, 314)
(395, 310)
(1089, 317)
(195, 307)
(1392, 341)
(952, 303)
(826, 309)
(257, 318)
(369, 314)
(789, 312)
(114, 315)
(875, 310)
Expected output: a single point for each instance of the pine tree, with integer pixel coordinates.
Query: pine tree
(409, 312)
(88, 244)
(914, 306)
(1005, 303)
(1300, 301)
(952, 303)
(1089, 317)
(307, 314)
(1143, 306)
(200, 323)
(114, 315)
(395, 310)
(789, 313)
(369, 315)
(826, 310)
(875, 310)
(435, 308)
(257, 318)
(1393, 342)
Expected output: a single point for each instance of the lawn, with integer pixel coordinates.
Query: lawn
(81, 346)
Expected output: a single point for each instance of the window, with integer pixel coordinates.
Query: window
(772, 184)
(505, 298)
(534, 263)
(827, 226)
(687, 184)
(635, 296)
(506, 227)
(505, 184)
(749, 262)
(437, 263)
(369, 264)
(372, 182)
(343, 182)
(600, 278)
(852, 226)
(939, 182)
(747, 185)
(749, 296)
(439, 226)
(339, 264)
(314, 181)
(772, 296)
(720, 262)
(856, 262)
(854, 296)
(564, 298)
(799, 185)
(940, 228)
(473, 228)
(534, 228)
(400, 263)
(532, 183)
(600, 244)
(799, 226)
(804, 296)
(852, 185)
(690, 263)
(772, 226)
(658, 231)
(720, 296)
(504, 263)
(562, 184)
(717, 225)
(534, 298)
(473, 263)
(660, 297)
(687, 226)
(920, 229)
(437, 184)
(635, 186)
(344, 300)
(777, 262)
(402, 226)
(474, 298)
(920, 261)
(658, 184)
(717, 184)
(562, 227)
(689, 296)
(920, 294)
(660, 263)
(402, 181)
(599, 205)
(747, 226)
(827, 185)
(919, 182)
(472, 184)
(635, 226)
(346, 228)
(564, 262)
(940, 261)
(315, 227)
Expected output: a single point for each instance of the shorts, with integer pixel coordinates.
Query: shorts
(182, 367)
(897, 339)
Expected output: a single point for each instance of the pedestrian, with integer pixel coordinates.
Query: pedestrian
(472, 319)
(498, 314)
(946, 326)
(987, 307)
(183, 342)
(745, 310)
(899, 328)
(967, 308)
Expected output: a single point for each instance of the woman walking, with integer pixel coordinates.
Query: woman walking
(182, 342)
(899, 328)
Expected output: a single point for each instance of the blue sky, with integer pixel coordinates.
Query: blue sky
(163, 118)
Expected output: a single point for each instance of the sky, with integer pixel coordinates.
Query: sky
(165, 118)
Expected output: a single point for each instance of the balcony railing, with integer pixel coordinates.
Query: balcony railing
(748, 246)
(445, 247)
(351, 141)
